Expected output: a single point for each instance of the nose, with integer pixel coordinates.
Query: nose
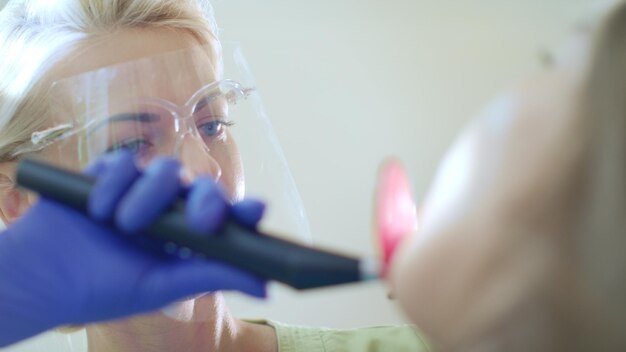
(196, 159)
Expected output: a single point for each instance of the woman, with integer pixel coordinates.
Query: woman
(51, 42)
(113, 33)
(535, 226)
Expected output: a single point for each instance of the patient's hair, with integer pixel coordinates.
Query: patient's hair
(37, 34)
(602, 232)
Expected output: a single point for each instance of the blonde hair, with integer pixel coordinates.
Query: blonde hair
(37, 34)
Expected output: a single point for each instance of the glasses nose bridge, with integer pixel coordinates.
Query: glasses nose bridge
(189, 147)
(184, 123)
(181, 112)
(195, 157)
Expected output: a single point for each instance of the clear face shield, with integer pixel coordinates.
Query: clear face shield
(198, 105)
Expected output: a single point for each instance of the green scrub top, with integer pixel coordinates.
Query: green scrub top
(370, 339)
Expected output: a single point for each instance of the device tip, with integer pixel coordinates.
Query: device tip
(370, 269)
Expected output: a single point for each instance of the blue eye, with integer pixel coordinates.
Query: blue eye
(135, 146)
(213, 128)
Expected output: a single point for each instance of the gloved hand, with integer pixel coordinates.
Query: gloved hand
(60, 267)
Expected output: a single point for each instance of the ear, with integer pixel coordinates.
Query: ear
(13, 202)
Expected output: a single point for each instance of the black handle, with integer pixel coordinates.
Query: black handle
(270, 257)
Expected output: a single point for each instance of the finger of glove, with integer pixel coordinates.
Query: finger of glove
(149, 196)
(248, 212)
(98, 167)
(206, 207)
(117, 173)
(179, 279)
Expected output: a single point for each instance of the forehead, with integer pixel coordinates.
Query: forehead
(129, 45)
(173, 76)
(138, 63)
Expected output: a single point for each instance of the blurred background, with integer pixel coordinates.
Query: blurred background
(347, 83)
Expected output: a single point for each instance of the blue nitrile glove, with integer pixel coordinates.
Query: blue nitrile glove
(60, 267)
(134, 209)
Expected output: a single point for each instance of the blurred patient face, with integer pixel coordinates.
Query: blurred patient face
(222, 160)
(492, 261)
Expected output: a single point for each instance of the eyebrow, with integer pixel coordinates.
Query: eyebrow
(206, 100)
(210, 98)
(143, 117)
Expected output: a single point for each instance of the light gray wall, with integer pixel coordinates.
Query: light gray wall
(348, 82)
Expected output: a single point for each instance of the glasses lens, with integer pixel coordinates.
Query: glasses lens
(212, 115)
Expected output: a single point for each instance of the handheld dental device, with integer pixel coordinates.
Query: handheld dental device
(296, 265)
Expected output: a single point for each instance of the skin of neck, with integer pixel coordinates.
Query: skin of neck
(201, 324)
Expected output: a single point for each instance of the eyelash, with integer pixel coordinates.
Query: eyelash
(137, 143)
(218, 123)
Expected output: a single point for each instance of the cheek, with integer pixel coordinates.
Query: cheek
(228, 157)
